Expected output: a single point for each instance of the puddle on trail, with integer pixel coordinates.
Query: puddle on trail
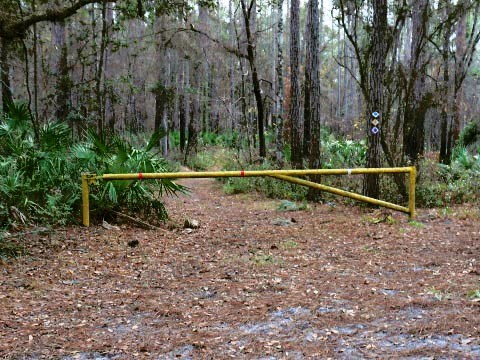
(381, 337)
(91, 356)
(356, 340)
(184, 352)
(384, 342)
(280, 322)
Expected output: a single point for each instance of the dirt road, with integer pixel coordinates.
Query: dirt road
(251, 282)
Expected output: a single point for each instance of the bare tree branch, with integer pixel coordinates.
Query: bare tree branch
(17, 29)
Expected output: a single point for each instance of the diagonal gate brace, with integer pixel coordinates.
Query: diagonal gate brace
(340, 192)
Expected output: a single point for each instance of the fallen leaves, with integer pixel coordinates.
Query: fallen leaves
(192, 290)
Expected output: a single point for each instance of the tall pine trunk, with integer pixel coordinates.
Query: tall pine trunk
(63, 87)
(100, 72)
(278, 118)
(249, 14)
(7, 96)
(416, 99)
(312, 102)
(294, 110)
(458, 95)
(371, 185)
(445, 143)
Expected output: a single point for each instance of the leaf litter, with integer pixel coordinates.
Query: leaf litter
(328, 284)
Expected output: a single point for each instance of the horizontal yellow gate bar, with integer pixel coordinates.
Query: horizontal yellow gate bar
(251, 173)
(286, 175)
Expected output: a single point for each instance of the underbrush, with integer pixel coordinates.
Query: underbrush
(444, 185)
(438, 185)
(40, 180)
(336, 154)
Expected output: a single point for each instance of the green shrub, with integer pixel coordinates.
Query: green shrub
(270, 187)
(343, 153)
(470, 134)
(443, 185)
(41, 180)
(201, 161)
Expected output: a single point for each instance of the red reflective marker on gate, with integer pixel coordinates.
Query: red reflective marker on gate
(242, 173)
(140, 176)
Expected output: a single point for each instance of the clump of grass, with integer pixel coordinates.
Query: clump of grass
(288, 244)
(416, 224)
(474, 295)
(286, 205)
(438, 294)
(263, 259)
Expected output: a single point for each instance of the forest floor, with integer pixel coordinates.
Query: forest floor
(250, 282)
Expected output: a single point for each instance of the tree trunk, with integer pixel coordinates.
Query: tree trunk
(278, 118)
(35, 67)
(100, 113)
(231, 70)
(7, 96)
(63, 86)
(416, 98)
(445, 146)
(458, 96)
(194, 116)
(312, 83)
(181, 105)
(307, 84)
(294, 111)
(371, 185)
(249, 18)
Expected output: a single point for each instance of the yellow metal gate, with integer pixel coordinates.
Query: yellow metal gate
(286, 175)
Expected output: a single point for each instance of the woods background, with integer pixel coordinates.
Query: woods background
(272, 72)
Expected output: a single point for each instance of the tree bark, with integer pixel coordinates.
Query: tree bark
(278, 118)
(294, 110)
(35, 67)
(249, 19)
(312, 83)
(445, 144)
(371, 185)
(63, 82)
(458, 96)
(416, 99)
(7, 96)
(100, 113)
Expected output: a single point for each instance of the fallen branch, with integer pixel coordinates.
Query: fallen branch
(139, 222)
(42, 230)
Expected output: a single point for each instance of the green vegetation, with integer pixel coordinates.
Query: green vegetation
(286, 205)
(443, 185)
(40, 180)
(262, 259)
(438, 185)
(288, 244)
(474, 294)
(438, 294)
(416, 224)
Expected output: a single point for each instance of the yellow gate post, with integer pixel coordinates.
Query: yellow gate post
(87, 179)
(411, 191)
(85, 201)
